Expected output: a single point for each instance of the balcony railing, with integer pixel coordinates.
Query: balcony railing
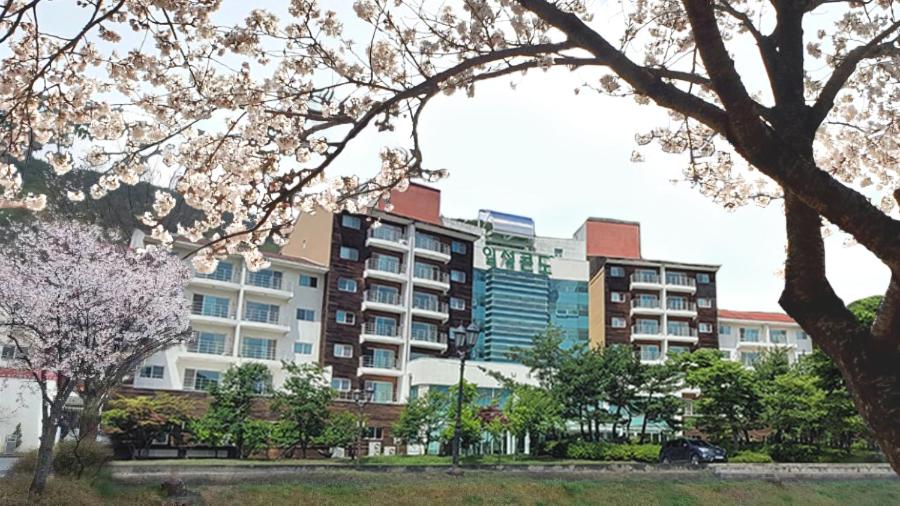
(377, 397)
(428, 336)
(778, 339)
(379, 362)
(680, 280)
(652, 330)
(381, 329)
(382, 297)
(681, 331)
(264, 280)
(380, 264)
(431, 305)
(212, 310)
(676, 305)
(387, 234)
(261, 316)
(749, 338)
(645, 303)
(645, 277)
(431, 274)
(264, 352)
(209, 344)
(432, 244)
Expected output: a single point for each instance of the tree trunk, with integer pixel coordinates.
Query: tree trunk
(44, 456)
(89, 419)
(644, 427)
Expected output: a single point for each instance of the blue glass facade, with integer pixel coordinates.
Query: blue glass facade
(513, 307)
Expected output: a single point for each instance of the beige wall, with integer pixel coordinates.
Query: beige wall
(597, 311)
(311, 238)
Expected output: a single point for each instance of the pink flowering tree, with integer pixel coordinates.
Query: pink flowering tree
(83, 311)
(792, 101)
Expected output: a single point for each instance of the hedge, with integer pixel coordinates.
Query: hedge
(584, 450)
(90, 459)
(750, 457)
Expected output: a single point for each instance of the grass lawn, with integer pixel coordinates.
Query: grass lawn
(471, 489)
(383, 460)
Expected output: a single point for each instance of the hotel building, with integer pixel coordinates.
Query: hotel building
(660, 307)
(743, 335)
(241, 316)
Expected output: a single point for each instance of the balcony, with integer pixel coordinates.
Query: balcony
(646, 281)
(429, 247)
(681, 308)
(208, 343)
(431, 278)
(267, 283)
(646, 332)
(381, 300)
(681, 333)
(680, 283)
(379, 366)
(223, 277)
(213, 314)
(383, 268)
(374, 332)
(429, 339)
(431, 309)
(350, 396)
(270, 320)
(646, 306)
(387, 237)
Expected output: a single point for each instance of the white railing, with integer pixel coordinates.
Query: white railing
(645, 303)
(676, 305)
(379, 362)
(681, 331)
(431, 274)
(652, 330)
(383, 265)
(432, 244)
(389, 234)
(381, 329)
(382, 297)
(431, 305)
(645, 277)
(680, 280)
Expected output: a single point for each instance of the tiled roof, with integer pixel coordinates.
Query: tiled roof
(755, 315)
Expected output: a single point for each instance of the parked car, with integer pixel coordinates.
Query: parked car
(694, 451)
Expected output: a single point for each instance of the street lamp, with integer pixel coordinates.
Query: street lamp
(361, 398)
(464, 339)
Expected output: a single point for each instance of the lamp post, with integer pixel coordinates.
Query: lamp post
(361, 398)
(464, 339)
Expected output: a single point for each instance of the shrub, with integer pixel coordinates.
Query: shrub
(645, 452)
(584, 450)
(750, 457)
(613, 452)
(794, 453)
(90, 459)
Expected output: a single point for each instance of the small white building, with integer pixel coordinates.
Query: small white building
(743, 335)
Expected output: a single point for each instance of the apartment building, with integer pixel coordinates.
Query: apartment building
(660, 307)
(399, 282)
(268, 316)
(744, 335)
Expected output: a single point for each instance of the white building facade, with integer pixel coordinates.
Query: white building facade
(744, 335)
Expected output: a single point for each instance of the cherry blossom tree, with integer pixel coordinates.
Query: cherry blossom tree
(793, 101)
(82, 311)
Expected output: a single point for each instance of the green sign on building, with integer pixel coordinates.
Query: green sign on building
(512, 260)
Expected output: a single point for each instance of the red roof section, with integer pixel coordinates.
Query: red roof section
(613, 238)
(418, 202)
(761, 316)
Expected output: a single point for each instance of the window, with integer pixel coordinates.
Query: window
(725, 330)
(211, 343)
(260, 312)
(266, 278)
(343, 350)
(382, 326)
(617, 272)
(749, 358)
(347, 285)
(306, 314)
(702, 277)
(558, 252)
(649, 352)
(749, 335)
(195, 379)
(303, 348)
(678, 279)
(678, 328)
(309, 281)
(646, 326)
(426, 301)
(152, 371)
(261, 387)
(704, 302)
(802, 335)
(345, 317)
(386, 263)
(459, 247)
(373, 433)
(386, 232)
(383, 391)
(422, 331)
(705, 328)
(224, 272)
(349, 253)
(677, 303)
(207, 305)
(8, 352)
(351, 222)
(645, 276)
(457, 303)
(257, 347)
(778, 336)
(646, 300)
(675, 350)
(688, 407)
(618, 322)
(616, 296)
(340, 384)
(457, 276)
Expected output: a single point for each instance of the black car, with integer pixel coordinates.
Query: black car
(694, 451)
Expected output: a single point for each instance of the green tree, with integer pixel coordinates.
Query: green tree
(496, 424)
(471, 429)
(623, 381)
(134, 422)
(302, 404)
(229, 415)
(656, 400)
(341, 431)
(841, 424)
(422, 418)
(793, 407)
(533, 411)
(770, 364)
(865, 310)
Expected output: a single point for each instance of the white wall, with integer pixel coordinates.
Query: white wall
(445, 371)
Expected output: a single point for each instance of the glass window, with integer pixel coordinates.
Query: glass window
(426, 301)
(383, 391)
(306, 314)
(458, 247)
(801, 335)
(348, 253)
(385, 263)
(702, 277)
(705, 328)
(678, 328)
(257, 347)
(616, 296)
(646, 300)
(343, 350)
(778, 336)
(224, 272)
(422, 331)
(340, 384)
(265, 278)
(373, 433)
(617, 272)
(618, 322)
(649, 352)
(152, 371)
(382, 326)
(206, 380)
(208, 305)
(309, 281)
(704, 302)
(386, 232)
(749, 335)
(457, 276)
(725, 330)
(8, 352)
(558, 252)
(303, 348)
(347, 285)
(457, 303)
(749, 358)
(353, 222)
(207, 342)
(345, 317)
(261, 312)
(646, 326)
